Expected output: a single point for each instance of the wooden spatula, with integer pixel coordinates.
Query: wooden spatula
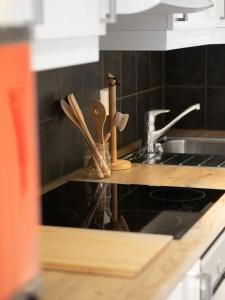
(98, 113)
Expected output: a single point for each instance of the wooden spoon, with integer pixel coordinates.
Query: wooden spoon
(67, 110)
(98, 113)
(78, 113)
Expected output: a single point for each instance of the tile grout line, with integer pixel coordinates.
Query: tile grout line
(140, 92)
(185, 86)
(206, 90)
(60, 131)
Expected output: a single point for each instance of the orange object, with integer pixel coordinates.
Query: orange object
(18, 171)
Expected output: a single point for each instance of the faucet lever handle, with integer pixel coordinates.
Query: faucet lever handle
(151, 115)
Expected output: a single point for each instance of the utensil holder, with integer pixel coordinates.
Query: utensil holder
(89, 165)
(117, 164)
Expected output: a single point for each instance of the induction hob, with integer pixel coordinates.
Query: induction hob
(135, 208)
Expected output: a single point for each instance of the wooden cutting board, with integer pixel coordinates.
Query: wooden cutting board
(119, 254)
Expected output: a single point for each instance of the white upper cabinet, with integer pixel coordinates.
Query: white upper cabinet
(220, 11)
(161, 6)
(218, 34)
(164, 25)
(198, 20)
(16, 12)
(67, 32)
(68, 18)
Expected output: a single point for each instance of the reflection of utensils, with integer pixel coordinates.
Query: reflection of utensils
(98, 113)
(114, 206)
(100, 194)
(123, 223)
(118, 223)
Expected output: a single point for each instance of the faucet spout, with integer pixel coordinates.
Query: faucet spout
(152, 134)
(161, 131)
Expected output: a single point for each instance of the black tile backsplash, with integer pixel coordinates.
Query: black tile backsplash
(196, 75)
(178, 99)
(61, 144)
(216, 65)
(216, 108)
(143, 105)
(71, 80)
(129, 135)
(92, 82)
(185, 66)
(143, 70)
(48, 93)
(157, 69)
(128, 73)
(50, 149)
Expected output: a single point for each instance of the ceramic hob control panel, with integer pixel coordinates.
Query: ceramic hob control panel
(135, 208)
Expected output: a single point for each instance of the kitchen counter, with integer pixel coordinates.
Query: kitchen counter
(162, 274)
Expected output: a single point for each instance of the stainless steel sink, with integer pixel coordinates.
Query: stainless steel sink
(208, 152)
(194, 145)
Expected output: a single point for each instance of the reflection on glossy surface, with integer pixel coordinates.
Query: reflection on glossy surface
(211, 146)
(137, 208)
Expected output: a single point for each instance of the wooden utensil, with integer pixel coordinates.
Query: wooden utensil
(116, 164)
(98, 113)
(78, 113)
(68, 111)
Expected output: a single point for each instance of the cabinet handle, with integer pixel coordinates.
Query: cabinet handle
(206, 287)
(223, 17)
(184, 18)
(111, 16)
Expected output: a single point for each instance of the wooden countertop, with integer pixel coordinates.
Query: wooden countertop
(162, 274)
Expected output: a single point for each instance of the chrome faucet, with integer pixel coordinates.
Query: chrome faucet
(153, 135)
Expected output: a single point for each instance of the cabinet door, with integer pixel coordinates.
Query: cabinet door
(189, 287)
(198, 20)
(68, 33)
(69, 18)
(220, 12)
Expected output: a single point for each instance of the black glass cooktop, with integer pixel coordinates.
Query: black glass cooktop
(136, 208)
